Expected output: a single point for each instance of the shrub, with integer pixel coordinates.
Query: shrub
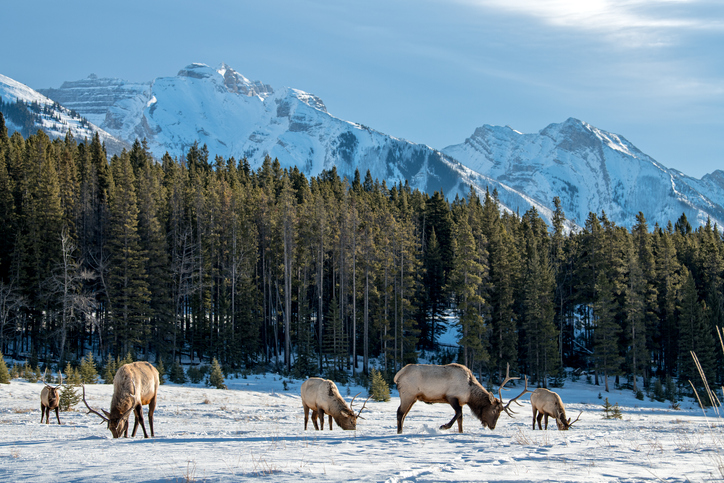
(109, 372)
(611, 411)
(195, 374)
(379, 389)
(32, 375)
(659, 394)
(639, 395)
(176, 374)
(161, 371)
(87, 371)
(69, 397)
(72, 377)
(4, 373)
(216, 376)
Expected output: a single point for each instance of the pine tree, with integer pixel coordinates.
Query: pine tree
(129, 294)
(88, 373)
(69, 397)
(694, 336)
(379, 389)
(109, 371)
(4, 374)
(216, 376)
(466, 278)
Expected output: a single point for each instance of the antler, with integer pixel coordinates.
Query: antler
(363, 406)
(352, 401)
(506, 408)
(90, 409)
(579, 417)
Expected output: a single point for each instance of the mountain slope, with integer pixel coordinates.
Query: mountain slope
(26, 111)
(236, 117)
(590, 170)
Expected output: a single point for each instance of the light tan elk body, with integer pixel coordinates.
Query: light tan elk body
(454, 384)
(134, 386)
(323, 397)
(50, 399)
(547, 403)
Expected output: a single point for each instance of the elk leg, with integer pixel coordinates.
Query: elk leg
(402, 414)
(539, 418)
(151, 409)
(306, 416)
(546, 421)
(330, 422)
(56, 414)
(315, 417)
(320, 413)
(458, 415)
(42, 413)
(139, 418)
(535, 413)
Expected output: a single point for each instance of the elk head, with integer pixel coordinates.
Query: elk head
(117, 422)
(348, 418)
(490, 417)
(563, 423)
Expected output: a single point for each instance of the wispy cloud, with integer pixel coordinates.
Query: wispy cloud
(636, 23)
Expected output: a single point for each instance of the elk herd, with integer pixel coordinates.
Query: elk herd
(136, 385)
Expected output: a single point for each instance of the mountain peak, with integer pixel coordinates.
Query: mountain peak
(197, 71)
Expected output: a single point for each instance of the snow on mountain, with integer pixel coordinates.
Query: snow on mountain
(590, 170)
(40, 112)
(236, 117)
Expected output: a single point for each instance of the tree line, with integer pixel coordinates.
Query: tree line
(199, 258)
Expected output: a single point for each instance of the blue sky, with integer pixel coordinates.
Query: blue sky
(425, 70)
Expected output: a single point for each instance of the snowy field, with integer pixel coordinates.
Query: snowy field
(255, 430)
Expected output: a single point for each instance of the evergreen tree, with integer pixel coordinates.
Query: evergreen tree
(216, 377)
(88, 373)
(4, 374)
(379, 390)
(466, 278)
(129, 295)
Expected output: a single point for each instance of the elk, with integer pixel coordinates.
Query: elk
(50, 399)
(322, 397)
(454, 384)
(548, 403)
(134, 386)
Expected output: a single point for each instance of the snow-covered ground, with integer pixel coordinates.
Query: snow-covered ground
(255, 430)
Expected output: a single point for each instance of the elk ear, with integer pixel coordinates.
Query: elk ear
(108, 415)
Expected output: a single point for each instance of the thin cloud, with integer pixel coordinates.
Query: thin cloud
(633, 23)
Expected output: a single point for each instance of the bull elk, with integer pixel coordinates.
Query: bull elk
(134, 386)
(50, 399)
(323, 397)
(454, 384)
(547, 403)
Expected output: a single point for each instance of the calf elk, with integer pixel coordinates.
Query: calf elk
(547, 403)
(454, 384)
(134, 386)
(322, 397)
(50, 399)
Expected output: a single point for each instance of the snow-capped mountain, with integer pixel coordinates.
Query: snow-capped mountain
(591, 170)
(236, 117)
(26, 110)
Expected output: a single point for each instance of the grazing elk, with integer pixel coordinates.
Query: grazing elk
(322, 397)
(50, 399)
(547, 403)
(134, 386)
(454, 384)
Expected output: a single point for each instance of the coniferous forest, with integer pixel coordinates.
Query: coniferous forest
(200, 258)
